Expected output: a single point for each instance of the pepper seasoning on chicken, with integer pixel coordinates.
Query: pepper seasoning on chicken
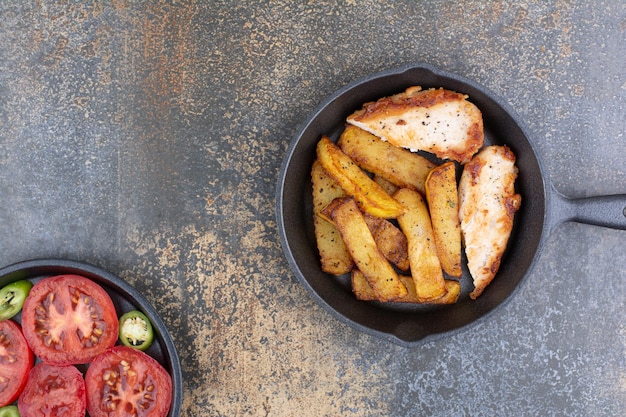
(487, 205)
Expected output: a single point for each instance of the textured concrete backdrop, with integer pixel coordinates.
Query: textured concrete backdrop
(146, 138)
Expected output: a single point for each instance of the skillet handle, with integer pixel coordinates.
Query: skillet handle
(606, 211)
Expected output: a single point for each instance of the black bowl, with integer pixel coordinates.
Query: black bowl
(125, 298)
(407, 325)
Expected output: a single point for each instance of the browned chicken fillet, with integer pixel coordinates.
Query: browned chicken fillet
(487, 204)
(439, 121)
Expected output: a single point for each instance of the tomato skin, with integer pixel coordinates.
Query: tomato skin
(53, 391)
(16, 359)
(69, 319)
(140, 384)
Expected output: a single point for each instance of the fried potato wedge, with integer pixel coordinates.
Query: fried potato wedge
(363, 291)
(386, 185)
(370, 197)
(425, 266)
(334, 255)
(390, 240)
(399, 166)
(378, 272)
(443, 204)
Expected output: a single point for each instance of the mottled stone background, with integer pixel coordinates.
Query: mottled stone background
(146, 138)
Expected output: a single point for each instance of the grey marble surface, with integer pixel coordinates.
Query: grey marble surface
(146, 138)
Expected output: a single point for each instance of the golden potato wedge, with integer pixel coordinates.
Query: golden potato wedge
(443, 203)
(399, 166)
(360, 288)
(367, 257)
(363, 291)
(370, 197)
(390, 240)
(425, 266)
(334, 255)
(385, 185)
(453, 290)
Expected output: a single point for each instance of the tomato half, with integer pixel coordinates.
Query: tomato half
(16, 359)
(127, 382)
(53, 391)
(69, 319)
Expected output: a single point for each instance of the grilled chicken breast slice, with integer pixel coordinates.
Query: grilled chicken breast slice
(487, 204)
(439, 121)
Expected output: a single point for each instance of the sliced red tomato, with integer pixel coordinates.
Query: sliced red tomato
(53, 391)
(69, 319)
(127, 382)
(16, 359)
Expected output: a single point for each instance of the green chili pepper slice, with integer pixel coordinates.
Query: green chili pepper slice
(9, 411)
(12, 298)
(136, 330)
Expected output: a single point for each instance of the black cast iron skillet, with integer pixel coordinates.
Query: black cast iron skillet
(543, 208)
(124, 297)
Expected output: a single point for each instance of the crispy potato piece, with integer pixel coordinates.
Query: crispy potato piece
(334, 255)
(399, 166)
(425, 266)
(360, 243)
(443, 203)
(360, 288)
(390, 240)
(453, 290)
(370, 197)
(386, 185)
(363, 291)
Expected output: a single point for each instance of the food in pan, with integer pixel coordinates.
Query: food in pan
(69, 319)
(136, 330)
(333, 252)
(70, 322)
(425, 266)
(356, 183)
(397, 165)
(390, 240)
(487, 204)
(12, 298)
(439, 121)
(9, 411)
(402, 219)
(361, 245)
(363, 291)
(53, 390)
(123, 381)
(16, 359)
(442, 197)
